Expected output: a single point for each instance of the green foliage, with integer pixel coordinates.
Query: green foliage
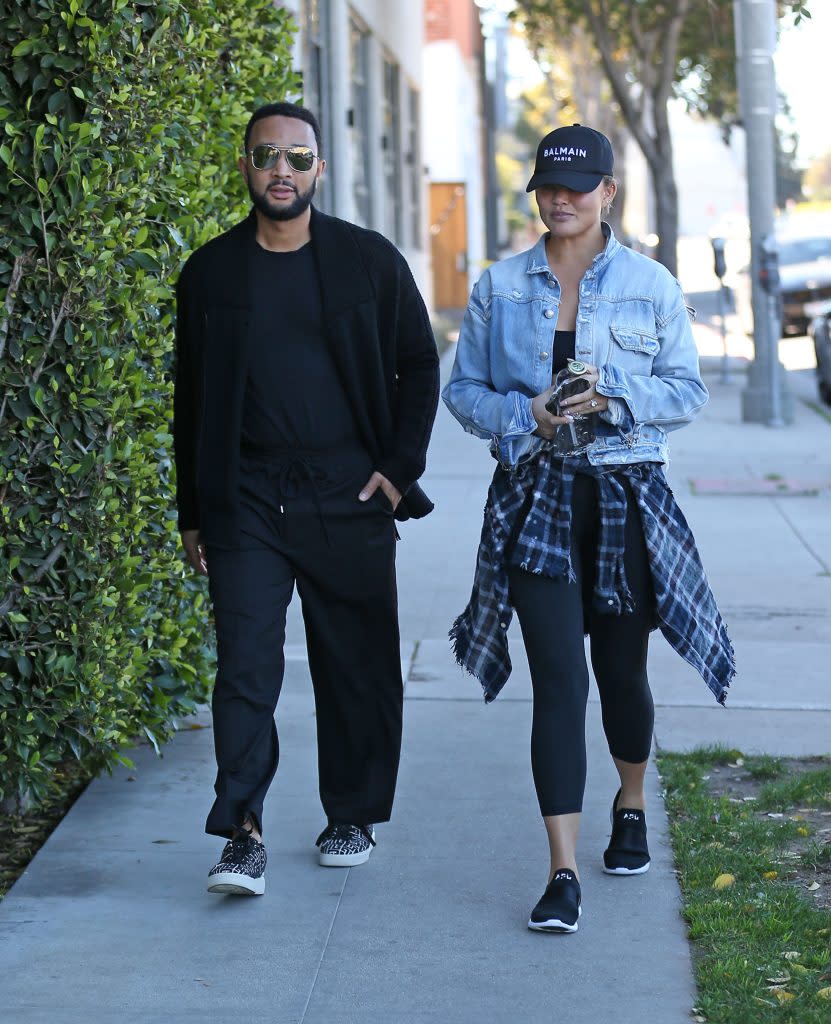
(704, 60)
(123, 119)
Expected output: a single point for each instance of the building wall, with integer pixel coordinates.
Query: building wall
(710, 176)
(453, 137)
(374, 174)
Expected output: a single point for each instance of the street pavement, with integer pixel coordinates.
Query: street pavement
(111, 922)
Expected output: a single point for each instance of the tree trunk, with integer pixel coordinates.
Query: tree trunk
(664, 189)
(666, 215)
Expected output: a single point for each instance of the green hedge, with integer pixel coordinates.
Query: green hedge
(123, 120)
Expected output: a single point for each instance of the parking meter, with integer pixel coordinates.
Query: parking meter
(769, 265)
(719, 265)
(770, 281)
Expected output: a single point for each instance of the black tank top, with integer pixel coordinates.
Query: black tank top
(564, 342)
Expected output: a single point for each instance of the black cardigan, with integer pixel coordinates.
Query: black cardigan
(377, 326)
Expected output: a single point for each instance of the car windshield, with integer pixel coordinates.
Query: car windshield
(804, 250)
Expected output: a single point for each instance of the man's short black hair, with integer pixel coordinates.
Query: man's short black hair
(284, 109)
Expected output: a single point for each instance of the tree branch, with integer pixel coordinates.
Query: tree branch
(50, 341)
(15, 591)
(632, 113)
(669, 52)
(11, 295)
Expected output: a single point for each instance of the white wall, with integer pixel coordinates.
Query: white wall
(453, 137)
(397, 33)
(710, 176)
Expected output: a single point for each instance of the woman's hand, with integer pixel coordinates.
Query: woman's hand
(583, 404)
(547, 422)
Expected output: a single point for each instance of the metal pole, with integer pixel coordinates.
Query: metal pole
(722, 316)
(763, 399)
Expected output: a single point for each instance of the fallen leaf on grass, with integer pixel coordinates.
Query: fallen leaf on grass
(770, 874)
(799, 969)
(782, 996)
(803, 831)
(812, 887)
(775, 814)
(791, 954)
(824, 993)
(764, 1002)
(724, 881)
(782, 980)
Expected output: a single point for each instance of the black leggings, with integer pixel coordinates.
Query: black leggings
(554, 616)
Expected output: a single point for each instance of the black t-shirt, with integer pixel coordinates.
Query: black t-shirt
(564, 342)
(294, 397)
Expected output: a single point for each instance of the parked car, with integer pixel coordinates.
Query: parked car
(820, 332)
(805, 275)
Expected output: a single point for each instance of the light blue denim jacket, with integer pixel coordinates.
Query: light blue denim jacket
(632, 324)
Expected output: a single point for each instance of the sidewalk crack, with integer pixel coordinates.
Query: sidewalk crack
(825, 567)
(325, 947)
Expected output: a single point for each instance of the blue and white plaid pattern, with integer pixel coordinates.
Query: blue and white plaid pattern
(540, 490)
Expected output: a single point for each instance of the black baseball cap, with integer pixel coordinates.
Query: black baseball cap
(576, 157)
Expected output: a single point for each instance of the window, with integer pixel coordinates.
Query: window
(391, 143)
(315, 77)
(359, 121)
(414, 168)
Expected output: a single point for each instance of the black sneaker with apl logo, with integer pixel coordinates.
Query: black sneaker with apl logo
(559, 907)
(627, 852)
(240, 870)
(342, 846)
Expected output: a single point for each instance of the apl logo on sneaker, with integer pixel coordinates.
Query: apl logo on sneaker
(631, 816)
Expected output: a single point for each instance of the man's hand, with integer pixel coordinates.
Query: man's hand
(578, 405)
(195, 550)
(379, 480)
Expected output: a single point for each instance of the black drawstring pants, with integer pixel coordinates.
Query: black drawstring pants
(302, 523)
(554, 616)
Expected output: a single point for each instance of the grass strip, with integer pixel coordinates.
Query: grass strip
(753, 866)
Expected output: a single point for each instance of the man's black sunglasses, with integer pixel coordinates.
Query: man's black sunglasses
(265, 156)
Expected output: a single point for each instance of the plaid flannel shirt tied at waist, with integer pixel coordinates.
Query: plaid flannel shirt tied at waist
(541, 490)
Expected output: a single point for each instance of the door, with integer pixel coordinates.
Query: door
(448, 241)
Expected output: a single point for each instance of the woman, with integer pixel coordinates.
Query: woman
(588, 542)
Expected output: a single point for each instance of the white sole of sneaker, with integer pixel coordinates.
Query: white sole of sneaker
(236, 885)
(343, 860)
(627, 871)
(555, 925)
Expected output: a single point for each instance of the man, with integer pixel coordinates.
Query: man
(306, 388)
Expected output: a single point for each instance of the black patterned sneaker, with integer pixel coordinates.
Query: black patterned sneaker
(559, 907)
(241, 868)
(627, 852)
(341, 846)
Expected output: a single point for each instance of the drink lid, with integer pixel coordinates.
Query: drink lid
(576, 368)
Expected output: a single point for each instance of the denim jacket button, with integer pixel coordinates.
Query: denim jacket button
(543, 355)
(548, 314)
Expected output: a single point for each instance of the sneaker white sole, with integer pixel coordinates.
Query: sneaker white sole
(343, 860)
(627, 871)
(555, 925)
(236, 885)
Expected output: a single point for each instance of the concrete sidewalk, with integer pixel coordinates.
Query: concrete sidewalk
(111, 922)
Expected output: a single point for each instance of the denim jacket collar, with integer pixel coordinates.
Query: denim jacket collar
(538, 260)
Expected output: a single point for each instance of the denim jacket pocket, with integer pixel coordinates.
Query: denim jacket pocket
(635, 341)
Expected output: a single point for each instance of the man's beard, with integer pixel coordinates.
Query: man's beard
(296, 207)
